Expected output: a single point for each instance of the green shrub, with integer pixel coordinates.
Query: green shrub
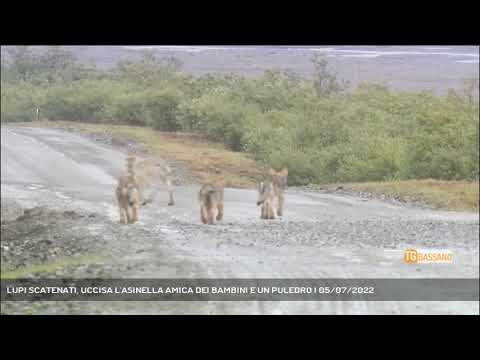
(20, 101)
(128, 108)
(219, 116)
(161, 107)
(85, 100)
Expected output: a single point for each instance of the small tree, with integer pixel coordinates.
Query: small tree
(172, 64)
(325, 82)
(21, 62)
(471, 90)
(57, 63)
(149, 69)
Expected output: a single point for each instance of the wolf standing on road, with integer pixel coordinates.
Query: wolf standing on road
(270, 193)
(211, 202)
(266, 198)
(128, 195)
(279, 179)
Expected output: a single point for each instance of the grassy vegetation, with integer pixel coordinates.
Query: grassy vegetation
(50, 267)
(451, 195)
(35, 308)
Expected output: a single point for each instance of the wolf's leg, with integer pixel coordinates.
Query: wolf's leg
(203, 216)
(280, 204)
(121, 209)
(220, 212)
(211, 217)
(265, 211)
(274, 212)
(121, 212)
(128, 212)
(170, 192)
(141, 195)
(271, 211)
(134, 217)
(274, 209)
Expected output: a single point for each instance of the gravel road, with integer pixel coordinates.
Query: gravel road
(68, 180)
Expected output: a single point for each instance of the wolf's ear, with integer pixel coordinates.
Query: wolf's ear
(284, 171)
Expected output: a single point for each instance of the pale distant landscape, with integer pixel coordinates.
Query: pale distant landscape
(412, 68)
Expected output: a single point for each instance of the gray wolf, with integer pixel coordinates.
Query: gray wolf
(279, 179)
(128, 195)
(210, 197)
(270, 193)
(267, 199)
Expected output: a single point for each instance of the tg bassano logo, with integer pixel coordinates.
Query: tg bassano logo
(428, 256)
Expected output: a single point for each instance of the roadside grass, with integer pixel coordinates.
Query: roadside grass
(35, 308)
(203, 158)
(50, 267)
(449, 195)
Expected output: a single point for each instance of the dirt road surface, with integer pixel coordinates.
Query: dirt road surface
(321, 235)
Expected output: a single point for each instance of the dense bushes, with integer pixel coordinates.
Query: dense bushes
(84, 100)
(219, 115)
(320, 132)
(19, 101)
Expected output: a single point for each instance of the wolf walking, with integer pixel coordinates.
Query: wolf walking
(128, 194)
(210, 197)
(267, 199)
(270, 194)
(279, 179)
(138, 186)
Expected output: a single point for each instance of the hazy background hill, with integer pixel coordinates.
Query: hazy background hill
(401, 67)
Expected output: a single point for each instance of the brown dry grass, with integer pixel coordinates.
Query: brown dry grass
(450, 195)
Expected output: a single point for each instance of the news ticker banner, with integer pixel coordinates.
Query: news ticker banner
(240, 290)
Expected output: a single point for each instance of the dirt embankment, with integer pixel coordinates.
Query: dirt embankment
(44, 235)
